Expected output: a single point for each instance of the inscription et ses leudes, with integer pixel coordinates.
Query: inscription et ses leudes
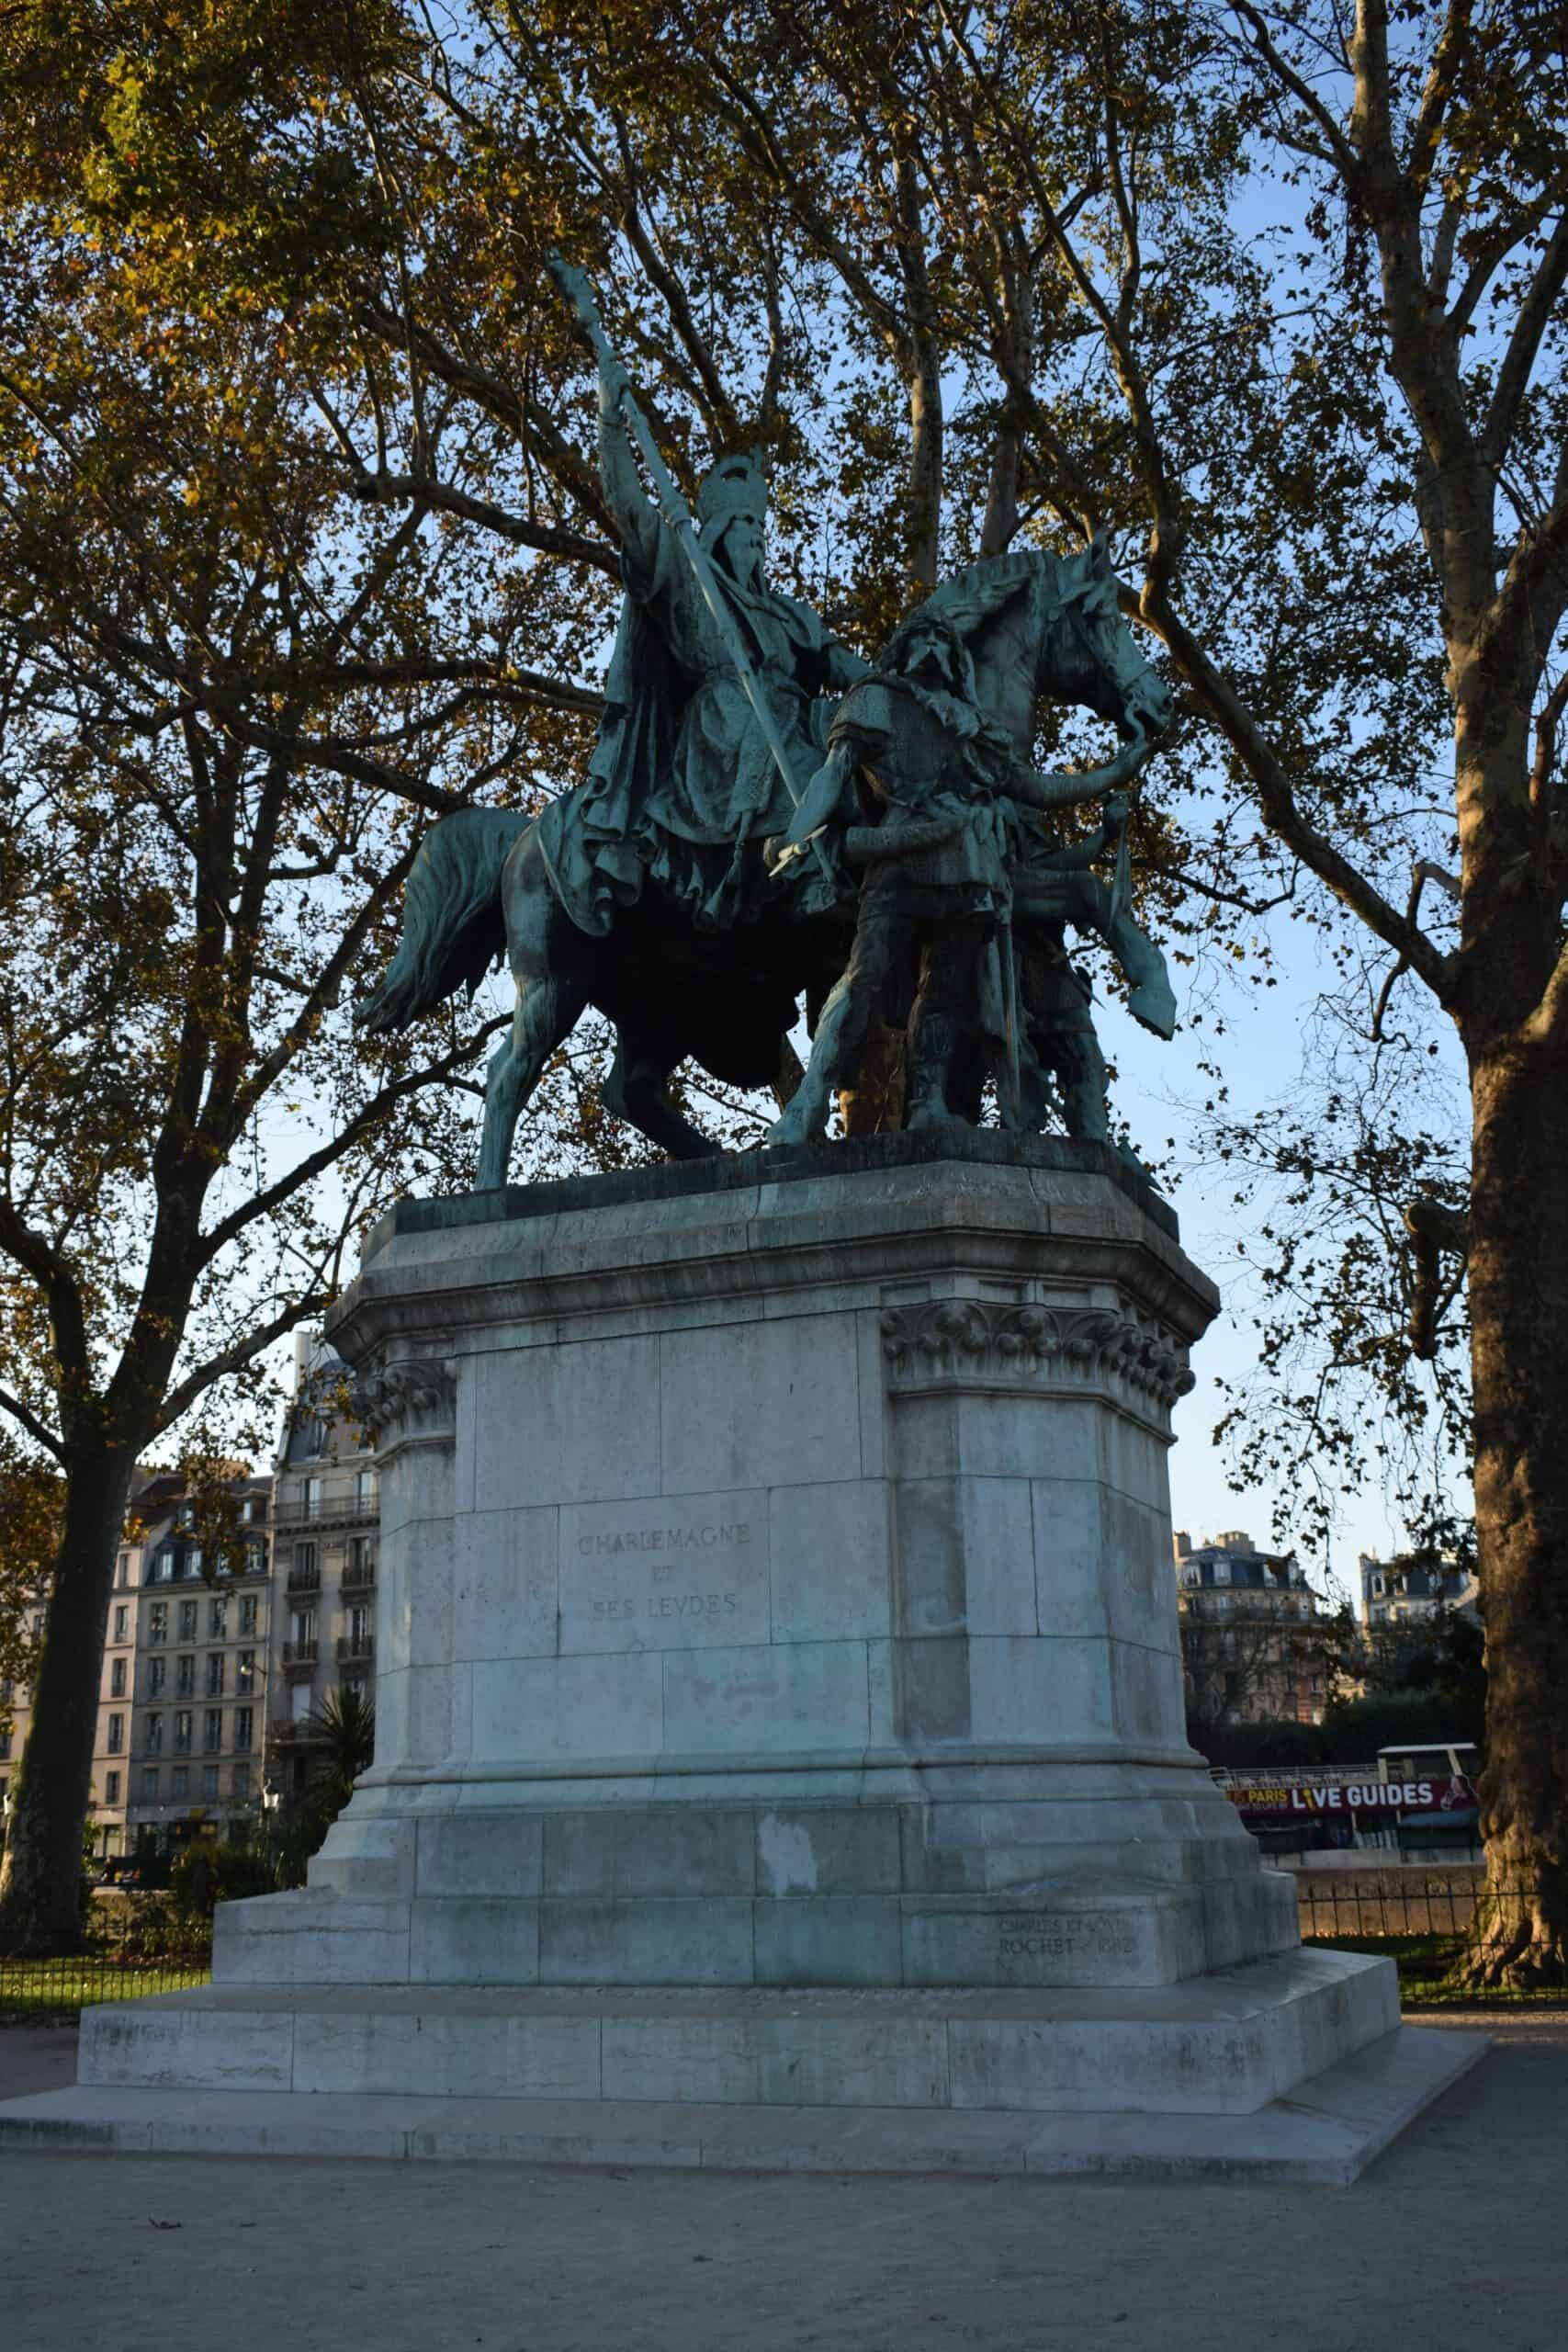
(667, 1581)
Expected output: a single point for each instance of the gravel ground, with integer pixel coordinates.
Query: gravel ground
(1456, 2241)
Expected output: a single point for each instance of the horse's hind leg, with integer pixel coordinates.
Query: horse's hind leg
(635, 1089)
(547, 1010)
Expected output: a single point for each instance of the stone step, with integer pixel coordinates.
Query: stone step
(1327, 2132)
(1224, 2044)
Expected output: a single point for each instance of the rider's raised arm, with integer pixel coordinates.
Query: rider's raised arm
(636, 520)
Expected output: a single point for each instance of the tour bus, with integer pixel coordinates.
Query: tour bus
(1450, 1768)
(1417, 1799)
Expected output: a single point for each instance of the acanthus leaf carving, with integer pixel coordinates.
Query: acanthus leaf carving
(990, 1339)
(418, 1396)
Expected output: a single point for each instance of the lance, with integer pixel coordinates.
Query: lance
(678, 517)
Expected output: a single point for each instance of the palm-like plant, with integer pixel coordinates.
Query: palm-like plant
(343, 1726)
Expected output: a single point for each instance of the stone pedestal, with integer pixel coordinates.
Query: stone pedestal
(779, 1699)
(776, 1589)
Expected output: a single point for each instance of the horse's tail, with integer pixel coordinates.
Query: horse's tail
(452, 925)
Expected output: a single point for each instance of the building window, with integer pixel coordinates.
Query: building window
(116, 1735)
(255, 1559)
(242, 1782)
(208, 1782)
(212, 1731)
(364, 1490)
(185, 1676)
(313, 1493)
(242, 1722)
(304, 1625)
(192, 1561)
(188, 1621)
(249, 1619)
(217, 1621)
(150, 1784)
(117, 1678)
(158, 1621)
(123, 1569)
(161, 1567)
(122, 1624)
(157, 1669)
(111, 1788)
(247, 1511)
(183, 1726)
(215, 1674)
(153, 1736)
(180, 1781)
(245, 1673)
(6, 1745)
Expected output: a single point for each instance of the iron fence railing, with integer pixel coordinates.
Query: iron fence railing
(44, 1992)
(1429, 1925)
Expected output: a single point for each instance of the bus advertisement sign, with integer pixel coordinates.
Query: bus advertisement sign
(1274, 1801)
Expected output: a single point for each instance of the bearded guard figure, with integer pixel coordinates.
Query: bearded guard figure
(921, 792)
(683, 780)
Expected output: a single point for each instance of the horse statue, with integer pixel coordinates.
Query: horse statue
(484, 884)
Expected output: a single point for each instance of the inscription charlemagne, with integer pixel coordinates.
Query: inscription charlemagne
(626, 1585)
(713, 1536)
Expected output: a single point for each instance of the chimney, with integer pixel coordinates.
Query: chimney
(1183, 1545)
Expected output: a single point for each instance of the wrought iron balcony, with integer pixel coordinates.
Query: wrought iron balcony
(356, 1647)
(325, 1510)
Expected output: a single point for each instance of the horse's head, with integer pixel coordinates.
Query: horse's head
(1089, 655)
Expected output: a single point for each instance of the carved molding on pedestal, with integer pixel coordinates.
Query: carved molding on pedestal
(991, 1343)
(406, 1403)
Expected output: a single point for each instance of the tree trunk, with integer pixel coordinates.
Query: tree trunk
(1518, 1301)
(40, 1884)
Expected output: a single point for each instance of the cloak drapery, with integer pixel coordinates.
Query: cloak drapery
(681, 781)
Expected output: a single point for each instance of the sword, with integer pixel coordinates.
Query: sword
(678, 517)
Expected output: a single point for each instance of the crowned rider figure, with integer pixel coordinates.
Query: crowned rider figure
(683, 785)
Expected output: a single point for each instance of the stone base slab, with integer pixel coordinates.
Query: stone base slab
(1107, 1932)
(1325, 2134)
(1226, 2043)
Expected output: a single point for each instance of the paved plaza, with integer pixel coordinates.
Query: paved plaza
(1455, 2241)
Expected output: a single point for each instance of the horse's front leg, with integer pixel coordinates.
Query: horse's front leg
(1151, 1000)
